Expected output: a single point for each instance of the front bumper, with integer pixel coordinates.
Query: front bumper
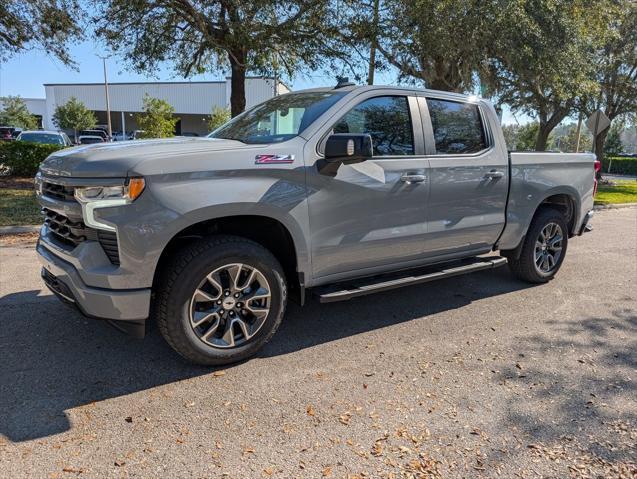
(130, 305)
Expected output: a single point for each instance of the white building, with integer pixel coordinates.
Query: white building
(192, 101)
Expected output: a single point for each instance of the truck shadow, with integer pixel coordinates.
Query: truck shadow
(53, 359)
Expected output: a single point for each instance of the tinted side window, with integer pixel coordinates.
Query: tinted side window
(386, 119)
(457, 127)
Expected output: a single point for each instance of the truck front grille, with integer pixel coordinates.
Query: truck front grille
(60, 192)
(70, 234)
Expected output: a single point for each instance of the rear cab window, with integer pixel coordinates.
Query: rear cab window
(457, 127)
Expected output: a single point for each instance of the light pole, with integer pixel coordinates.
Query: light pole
(108, 102)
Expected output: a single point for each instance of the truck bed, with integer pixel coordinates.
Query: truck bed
(536, 176)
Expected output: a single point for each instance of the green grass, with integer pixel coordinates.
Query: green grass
(19, 207)
(624, 192)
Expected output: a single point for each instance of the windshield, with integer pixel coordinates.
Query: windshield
(44, 138)
(278, 119)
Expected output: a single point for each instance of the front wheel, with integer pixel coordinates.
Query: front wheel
(544, 248)
(220, 300)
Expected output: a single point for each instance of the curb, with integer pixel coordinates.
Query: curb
(14, 230)
(615, 206)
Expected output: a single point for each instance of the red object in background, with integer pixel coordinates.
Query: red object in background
(598, 166)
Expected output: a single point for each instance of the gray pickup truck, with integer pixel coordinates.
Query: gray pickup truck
(343, 191)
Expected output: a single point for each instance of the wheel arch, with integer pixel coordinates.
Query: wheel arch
(282, 236)
(565, 200)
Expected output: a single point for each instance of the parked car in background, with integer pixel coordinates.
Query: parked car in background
(16, 132)
(45, 137)
(90, 139)
(6, 133)
(122, 135)
(96, 132)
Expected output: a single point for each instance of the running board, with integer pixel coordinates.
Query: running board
(374, 285)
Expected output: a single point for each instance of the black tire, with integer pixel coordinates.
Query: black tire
(183, 276)
(525, 266)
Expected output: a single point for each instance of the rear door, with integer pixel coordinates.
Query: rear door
(469, 178)
(370, 217)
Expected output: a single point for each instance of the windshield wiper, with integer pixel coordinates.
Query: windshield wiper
(229, 138)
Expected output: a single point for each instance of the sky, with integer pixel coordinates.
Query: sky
(25, 73)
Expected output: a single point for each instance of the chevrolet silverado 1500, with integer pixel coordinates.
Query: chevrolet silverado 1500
(340, 191)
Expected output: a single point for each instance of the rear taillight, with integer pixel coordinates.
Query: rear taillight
(598, 166)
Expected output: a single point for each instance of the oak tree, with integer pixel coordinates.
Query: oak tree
(49, 25)
(197, 36)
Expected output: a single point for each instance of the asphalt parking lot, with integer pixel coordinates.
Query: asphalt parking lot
(475, 376)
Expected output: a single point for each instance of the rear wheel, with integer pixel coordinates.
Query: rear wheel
(220, 300)
(544, 248)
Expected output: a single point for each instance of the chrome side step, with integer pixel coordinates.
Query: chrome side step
(374, 285)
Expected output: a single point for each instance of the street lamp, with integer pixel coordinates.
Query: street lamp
(108, 103)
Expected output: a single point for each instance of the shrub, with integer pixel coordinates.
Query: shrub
(621, 165)
(157, 120)
(23, 158)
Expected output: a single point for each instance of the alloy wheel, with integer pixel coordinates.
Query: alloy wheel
(548, 248)
(230, 305)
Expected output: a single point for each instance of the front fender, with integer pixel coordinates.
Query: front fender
(172, 203)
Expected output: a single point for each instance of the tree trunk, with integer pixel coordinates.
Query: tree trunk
(542, 137)
(372, 49)
(237, 82)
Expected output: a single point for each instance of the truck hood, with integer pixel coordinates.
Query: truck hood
(117, 159)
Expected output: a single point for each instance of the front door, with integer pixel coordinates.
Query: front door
(371, 215)
(469, 178)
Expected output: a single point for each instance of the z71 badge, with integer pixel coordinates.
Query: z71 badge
(273, 159)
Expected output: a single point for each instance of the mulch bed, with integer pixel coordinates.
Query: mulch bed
(16, 182)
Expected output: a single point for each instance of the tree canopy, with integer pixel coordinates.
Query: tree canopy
(15, 113)
(49, 25)
(541, 62)
(615, 70)
(440, 43)
(260, 36)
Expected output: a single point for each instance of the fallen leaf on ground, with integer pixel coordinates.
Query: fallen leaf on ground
(345, 418)
(77, 470)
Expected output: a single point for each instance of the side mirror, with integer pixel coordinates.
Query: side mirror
(345, 148)
(348, 148)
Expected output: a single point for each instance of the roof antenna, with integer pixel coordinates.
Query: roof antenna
(342, 82)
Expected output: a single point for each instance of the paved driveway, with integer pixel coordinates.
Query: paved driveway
(473, 376)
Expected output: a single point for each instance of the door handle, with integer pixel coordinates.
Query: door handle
(493, 174)
(410, 178)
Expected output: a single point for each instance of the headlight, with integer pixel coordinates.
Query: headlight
(128, 192)
(94, 197)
